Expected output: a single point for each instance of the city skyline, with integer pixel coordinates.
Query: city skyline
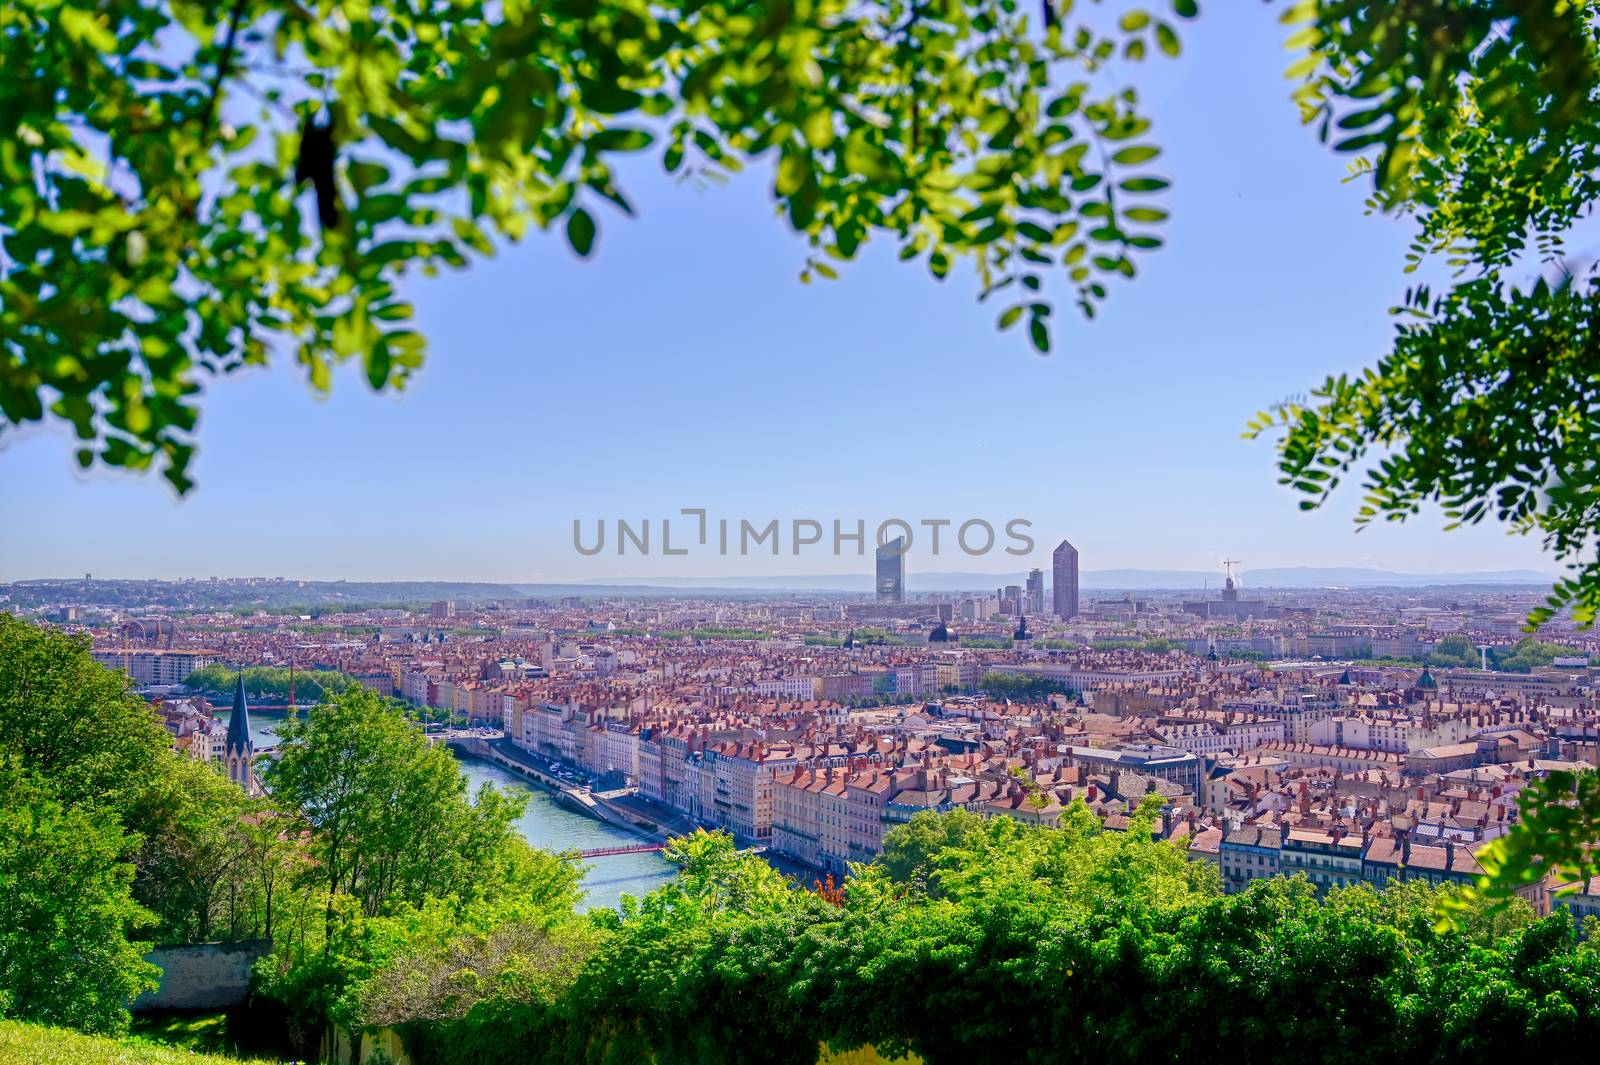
(509, 433)
(1094, 579)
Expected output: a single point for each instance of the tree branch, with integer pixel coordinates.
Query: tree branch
(224, 67)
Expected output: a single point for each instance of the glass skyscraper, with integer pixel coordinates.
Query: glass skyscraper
(891, 566)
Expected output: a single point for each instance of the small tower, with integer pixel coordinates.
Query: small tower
(1230, 587)
(239, 755)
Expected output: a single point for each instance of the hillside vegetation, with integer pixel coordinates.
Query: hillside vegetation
(32, 1044)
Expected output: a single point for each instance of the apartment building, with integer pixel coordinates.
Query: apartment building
(152, 668)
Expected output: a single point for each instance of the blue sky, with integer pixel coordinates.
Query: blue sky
(686, 366)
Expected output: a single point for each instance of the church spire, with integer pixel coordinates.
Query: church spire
(239, 754)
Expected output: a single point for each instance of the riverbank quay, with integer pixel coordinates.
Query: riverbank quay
(622, 808)
(508, 756)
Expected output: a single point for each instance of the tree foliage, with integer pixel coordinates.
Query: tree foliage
(67, 915)
(187, 189)
(109, 838)
(390, 815)
(976, 940)
(1475, 118)
(73, 723)
(269, 682)
(212, 859)
(1523, 656)
(1029, 687)
(1555, 833)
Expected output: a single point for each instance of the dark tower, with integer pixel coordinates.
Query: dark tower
(1064, 577)
(239, 755)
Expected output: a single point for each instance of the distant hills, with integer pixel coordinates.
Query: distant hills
(261, 594)
(1311, 577)
(274, 594)
(1108, 580)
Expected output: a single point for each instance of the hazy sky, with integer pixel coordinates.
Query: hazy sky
(685, 366)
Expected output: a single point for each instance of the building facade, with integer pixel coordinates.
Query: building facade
(891, 571)
(1064, 574)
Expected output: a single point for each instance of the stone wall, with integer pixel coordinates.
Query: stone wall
(202, 976)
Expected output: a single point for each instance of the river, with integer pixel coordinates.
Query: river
(553, 827)
(545, 825)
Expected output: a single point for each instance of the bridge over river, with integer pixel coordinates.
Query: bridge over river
(607, 852)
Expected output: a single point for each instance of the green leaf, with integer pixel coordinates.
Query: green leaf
(609, 98)
(378, 365)
(620, 139)
(1144, 184)
(1039, 334)
(580, 231)
(1135, 155)
(794, 170)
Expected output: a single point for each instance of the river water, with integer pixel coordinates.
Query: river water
(554, 827)
(546, 825)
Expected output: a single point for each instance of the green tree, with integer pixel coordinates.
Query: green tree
(169, 846)
(390, 814)
(911, 850)
(1454, 651)
(1030, 687)
(272, 861)
(68, 911)
(73, 724)
(699, 970)
(269, 682)
(1528, 654)
(188, 188)
(195, 852)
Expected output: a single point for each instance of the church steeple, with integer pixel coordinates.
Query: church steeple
(239, 754)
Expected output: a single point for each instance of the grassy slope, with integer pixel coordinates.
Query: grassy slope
(864, 1056)
(31, 1044)
(28, 1044)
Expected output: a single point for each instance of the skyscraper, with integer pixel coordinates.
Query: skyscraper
(1036, 591)
(891, 565)
(1064, 573)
